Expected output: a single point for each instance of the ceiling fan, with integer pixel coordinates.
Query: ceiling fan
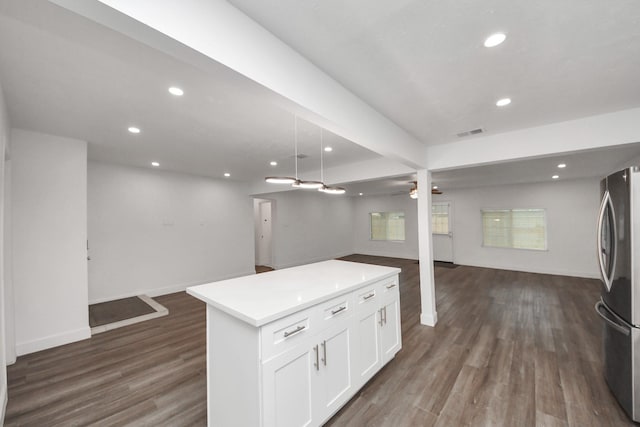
(413, 193)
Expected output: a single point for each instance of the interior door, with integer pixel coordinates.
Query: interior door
(442, 233)
(264, 241)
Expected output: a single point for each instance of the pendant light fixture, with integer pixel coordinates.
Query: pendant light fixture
(326, 189)
(306, 185)
(288, 179)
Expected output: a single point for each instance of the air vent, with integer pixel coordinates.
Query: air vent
(470, 132)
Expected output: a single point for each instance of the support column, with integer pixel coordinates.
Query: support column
(428, 316)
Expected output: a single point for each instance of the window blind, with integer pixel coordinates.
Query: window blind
(514, 228)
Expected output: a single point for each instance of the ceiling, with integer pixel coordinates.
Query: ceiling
(65, 75)
(589, 164)
(421, 63)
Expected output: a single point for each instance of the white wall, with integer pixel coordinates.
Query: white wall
(5, 310)
(364, 205)
(155, 232)
(309, 226)
(572, 208)
(49, 214)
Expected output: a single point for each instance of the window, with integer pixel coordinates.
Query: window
(387, 226)
(514, 228)
(440, 218)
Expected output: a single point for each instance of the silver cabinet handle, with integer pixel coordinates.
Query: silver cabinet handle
(380, 311)
(317, 362)
(371, 295)
(385, 314)
(324, 352)
(391, 286)
(295, 331)
(343, 308)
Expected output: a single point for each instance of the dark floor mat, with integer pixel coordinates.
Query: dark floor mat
(117, 310)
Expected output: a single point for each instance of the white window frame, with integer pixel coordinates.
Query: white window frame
(404, 224)
(449, 224)
(546, 243)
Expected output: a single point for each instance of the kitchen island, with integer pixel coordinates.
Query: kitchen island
(290, 347)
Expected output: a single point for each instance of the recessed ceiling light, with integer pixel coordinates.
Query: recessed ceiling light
(360, 194)
(227, 174)
(494, 39)
(555, 176)
(134, 129)
(502, 102)
(562, 166)
(176, 91)
(328, 149)
(156, 164)
(274, 163)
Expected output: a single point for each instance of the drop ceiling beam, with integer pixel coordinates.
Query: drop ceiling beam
(594, 132)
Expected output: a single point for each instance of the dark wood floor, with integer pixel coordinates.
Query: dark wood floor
(510, 349)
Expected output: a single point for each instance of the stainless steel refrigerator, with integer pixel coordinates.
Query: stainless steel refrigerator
(619, 305)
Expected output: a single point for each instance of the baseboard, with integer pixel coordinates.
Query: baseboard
(568, 273)
(53, 341)
(280, 266)
(167, 289)
(387, 255)
(429, 319)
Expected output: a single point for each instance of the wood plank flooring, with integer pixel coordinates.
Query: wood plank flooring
(510, 349)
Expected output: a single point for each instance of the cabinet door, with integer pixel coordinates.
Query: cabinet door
(368, 347)
(390, 334)
(288, 383)
(335, 367)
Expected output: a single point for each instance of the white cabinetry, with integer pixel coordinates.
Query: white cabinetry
(378, 326)
(302, 346)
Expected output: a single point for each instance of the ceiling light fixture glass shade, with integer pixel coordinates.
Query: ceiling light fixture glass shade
(413, 193)
(280, 180)
(307, 185)
(332, 190)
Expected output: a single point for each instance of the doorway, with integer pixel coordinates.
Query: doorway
(263, 213)
(442, 232)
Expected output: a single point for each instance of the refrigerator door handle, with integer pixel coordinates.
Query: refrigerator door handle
(617, 324)
(607, 276)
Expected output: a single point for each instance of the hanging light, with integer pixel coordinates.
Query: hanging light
(308, 185)
(288, 179)
(413, 193)
(332, 190)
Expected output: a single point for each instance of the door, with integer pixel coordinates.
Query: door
(441, 231)
(614, 244)
(288, 383)
(390, 328)
(264, 233)
(368, 355)
(335, 364)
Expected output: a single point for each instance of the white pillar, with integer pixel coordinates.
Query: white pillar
(429, 316)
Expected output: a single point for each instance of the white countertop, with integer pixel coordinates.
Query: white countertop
(262, 298)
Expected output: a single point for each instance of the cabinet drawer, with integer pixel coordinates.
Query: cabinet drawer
(389, 286)
(336, 309)
(285, 333)
(367, 296)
